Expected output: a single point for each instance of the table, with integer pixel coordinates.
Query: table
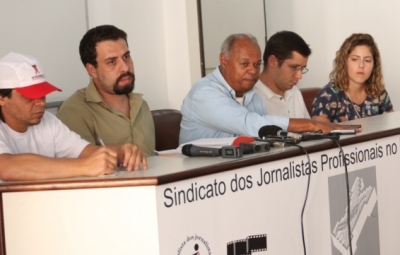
(250, 205)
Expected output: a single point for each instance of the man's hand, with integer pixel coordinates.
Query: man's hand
(306, 125)
(101, 161)
(328, 127)
(131, 157)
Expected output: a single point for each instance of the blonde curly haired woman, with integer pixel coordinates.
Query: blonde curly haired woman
(356, 88)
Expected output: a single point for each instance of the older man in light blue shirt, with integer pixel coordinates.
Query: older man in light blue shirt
(224, 103)
(211, 110)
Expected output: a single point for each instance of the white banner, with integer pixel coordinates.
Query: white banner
(257, 209)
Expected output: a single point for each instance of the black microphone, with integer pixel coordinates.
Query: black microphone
(270, 130)
(290, 134)
(272, 135)
(318, 136)
(191, 150)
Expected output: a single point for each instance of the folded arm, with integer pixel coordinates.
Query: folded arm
(93, 161)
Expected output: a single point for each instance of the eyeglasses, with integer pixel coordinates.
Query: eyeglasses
(295, 69)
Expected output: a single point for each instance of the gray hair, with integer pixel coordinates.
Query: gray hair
(227, 45)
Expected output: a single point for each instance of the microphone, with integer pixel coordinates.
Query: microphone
(256, 146)
(317, 136)
(290, 134)
(242, 139)
(191, 150)
(270, 130)
(271, 135)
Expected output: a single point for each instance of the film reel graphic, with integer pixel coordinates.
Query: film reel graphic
(247, 246)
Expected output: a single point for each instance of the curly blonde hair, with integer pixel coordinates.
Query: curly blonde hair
(374, 85)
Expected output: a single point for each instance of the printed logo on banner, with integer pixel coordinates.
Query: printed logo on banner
(364, 220)
(248, 246)
(194, 245)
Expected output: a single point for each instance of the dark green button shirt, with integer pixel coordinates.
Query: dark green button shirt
(87, 114)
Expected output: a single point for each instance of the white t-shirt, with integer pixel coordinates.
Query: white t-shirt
(291, 105)
(49, 138)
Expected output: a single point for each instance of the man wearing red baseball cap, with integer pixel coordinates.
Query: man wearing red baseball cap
(34, 144)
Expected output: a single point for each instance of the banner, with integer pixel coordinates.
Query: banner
(257, 209)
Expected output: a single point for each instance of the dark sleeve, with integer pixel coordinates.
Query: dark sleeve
(385, 103)
(326, 103)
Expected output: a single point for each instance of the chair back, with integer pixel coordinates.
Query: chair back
(167, 125)
(308, 97)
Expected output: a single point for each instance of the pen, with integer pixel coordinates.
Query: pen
(102, 144)
(101, 141)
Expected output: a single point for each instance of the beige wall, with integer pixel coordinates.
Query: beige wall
(163, 39)
(46, 30)
(222, 18)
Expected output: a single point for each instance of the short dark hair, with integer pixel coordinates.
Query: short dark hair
(4, 93)
(87, 46)
(282, 44)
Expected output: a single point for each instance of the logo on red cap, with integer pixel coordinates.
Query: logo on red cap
(36, 69)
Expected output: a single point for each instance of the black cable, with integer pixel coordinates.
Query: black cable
(348, 197)
(305, 199)
(333, 138)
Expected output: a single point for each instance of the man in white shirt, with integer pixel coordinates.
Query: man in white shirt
(224, 103)
(34, 144)
(285, 60)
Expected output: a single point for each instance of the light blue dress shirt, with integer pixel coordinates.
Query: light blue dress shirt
(211, 111)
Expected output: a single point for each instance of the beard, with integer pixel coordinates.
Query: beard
(125, 89)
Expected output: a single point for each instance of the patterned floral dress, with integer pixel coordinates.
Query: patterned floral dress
(338, 107)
